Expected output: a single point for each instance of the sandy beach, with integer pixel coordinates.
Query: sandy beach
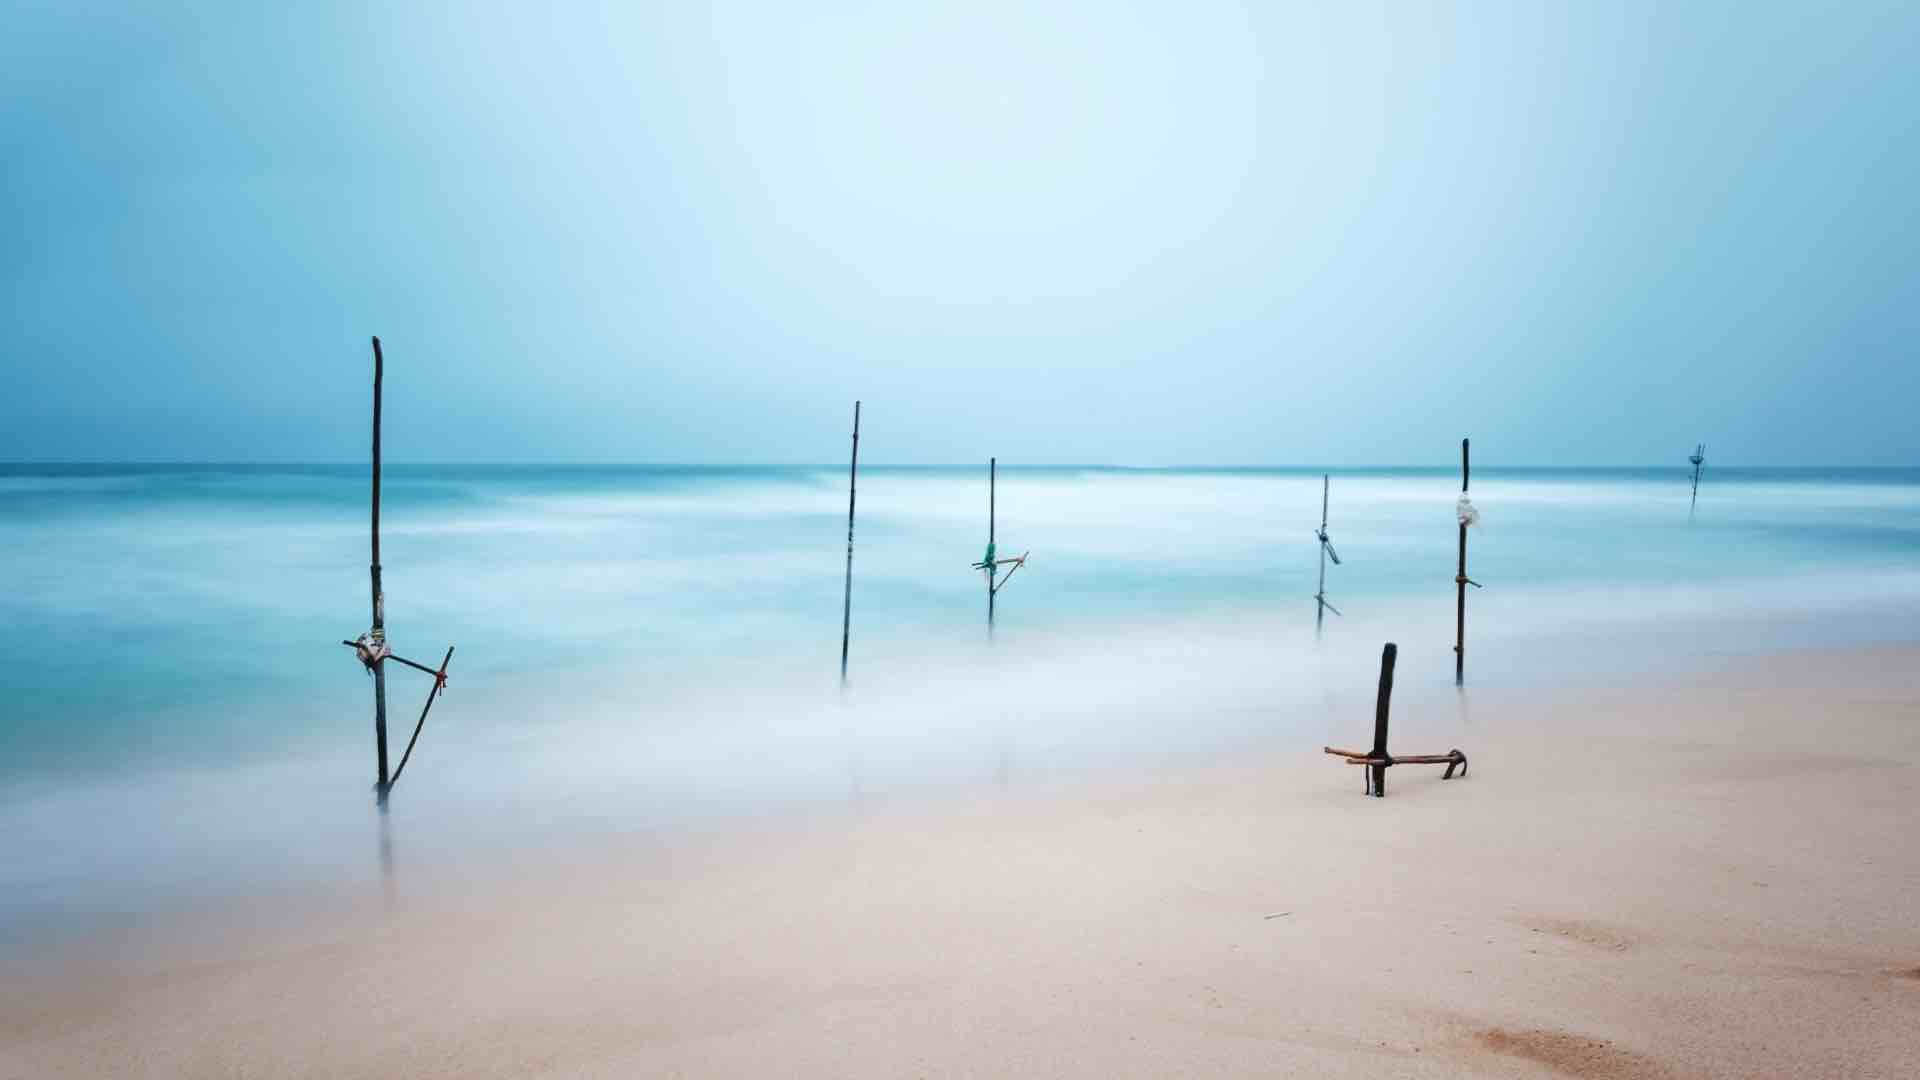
(1717, 877)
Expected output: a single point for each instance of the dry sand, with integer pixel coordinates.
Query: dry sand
(1719, 878)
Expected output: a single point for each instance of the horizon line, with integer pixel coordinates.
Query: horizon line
(1108, 466)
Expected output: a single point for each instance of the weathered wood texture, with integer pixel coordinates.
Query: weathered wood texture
(1378, 759)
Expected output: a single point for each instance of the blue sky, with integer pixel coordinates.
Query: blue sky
(1157, 234)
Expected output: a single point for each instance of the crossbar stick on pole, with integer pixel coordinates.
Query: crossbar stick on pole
(1017, 564)
(439, 684)
(396, 657)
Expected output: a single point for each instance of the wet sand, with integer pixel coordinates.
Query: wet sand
(1718, 877)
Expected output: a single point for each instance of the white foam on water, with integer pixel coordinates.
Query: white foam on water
(630, 658)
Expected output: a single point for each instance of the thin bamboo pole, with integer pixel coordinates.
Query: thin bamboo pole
(379, 632)
(1699, 458)
(846, 605)
(1460, 582)
(1320, 597)
(993, 471)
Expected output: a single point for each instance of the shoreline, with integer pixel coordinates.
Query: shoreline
(1681, 879)
(317, 791)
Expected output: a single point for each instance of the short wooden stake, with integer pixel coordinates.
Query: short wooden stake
(1378, 759)
(1381, 701)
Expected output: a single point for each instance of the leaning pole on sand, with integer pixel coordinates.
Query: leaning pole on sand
(990, 563)
(846, 604)
(1468, 515)
(371, 647)
(1326, 552)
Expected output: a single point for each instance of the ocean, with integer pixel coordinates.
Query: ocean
(643, 647)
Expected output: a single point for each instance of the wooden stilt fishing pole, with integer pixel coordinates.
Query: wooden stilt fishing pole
(1467, 516)
(1379, 758)
(991, 563)
(1326, 550)
(1699, 458)
(372, 645)
(378, 634)
(846, 605)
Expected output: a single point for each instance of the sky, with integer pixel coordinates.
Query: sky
(1193, 233)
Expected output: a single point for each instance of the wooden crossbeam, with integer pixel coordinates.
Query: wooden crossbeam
(1017, 564)
(1379, 759)
(415, 664)
(439, 684)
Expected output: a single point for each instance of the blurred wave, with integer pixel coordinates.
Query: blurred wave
(638, 646)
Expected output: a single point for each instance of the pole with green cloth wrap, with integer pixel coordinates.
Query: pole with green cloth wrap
(990, 563)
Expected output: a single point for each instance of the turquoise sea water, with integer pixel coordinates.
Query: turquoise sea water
(639, 643)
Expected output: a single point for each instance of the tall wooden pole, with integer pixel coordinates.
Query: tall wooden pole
(379, 633)
(1460, 582)
(846, 605)
(1379, 752)
(993, 467)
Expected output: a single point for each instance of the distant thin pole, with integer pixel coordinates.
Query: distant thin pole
(993, 467)
(1699, 458)
(846, 606)
(1320, 598)
(379, 633)
(1460, 582)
